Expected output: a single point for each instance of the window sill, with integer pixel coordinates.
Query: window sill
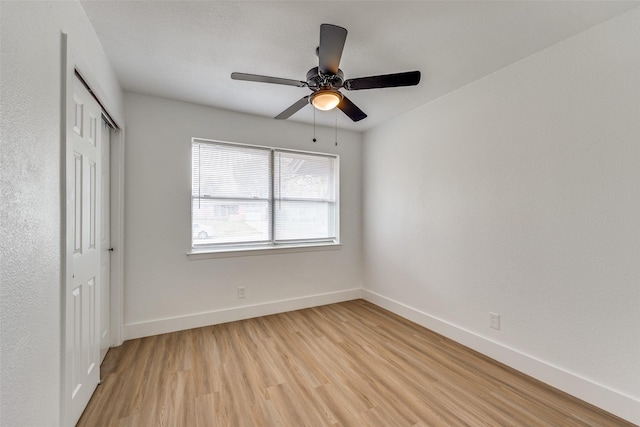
(271, 250)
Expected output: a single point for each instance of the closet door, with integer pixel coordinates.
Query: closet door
(105, 247)
(84, 228)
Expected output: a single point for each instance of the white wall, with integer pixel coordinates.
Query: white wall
(30, 219)
(164, 290)
(519, 194)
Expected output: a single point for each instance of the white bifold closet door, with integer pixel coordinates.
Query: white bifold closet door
(105, 246)
(84, 238)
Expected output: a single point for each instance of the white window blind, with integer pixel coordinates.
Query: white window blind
(305, 197)
(259, 196)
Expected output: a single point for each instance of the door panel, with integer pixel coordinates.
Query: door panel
(82, 296)
(105, 245)
(77, 206)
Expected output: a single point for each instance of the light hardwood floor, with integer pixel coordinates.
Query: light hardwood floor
(347, 364)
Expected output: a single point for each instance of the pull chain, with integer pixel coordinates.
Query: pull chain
(314, 124)
(336, 127)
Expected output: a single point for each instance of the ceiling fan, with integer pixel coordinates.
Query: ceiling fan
(326, 79)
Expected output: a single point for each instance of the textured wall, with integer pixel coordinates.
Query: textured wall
(518, 194)
(30, 217)
(30, 243)
(161, 282)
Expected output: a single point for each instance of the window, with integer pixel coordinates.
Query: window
(251, 196)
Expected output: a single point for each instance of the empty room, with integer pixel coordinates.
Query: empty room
(319, 213)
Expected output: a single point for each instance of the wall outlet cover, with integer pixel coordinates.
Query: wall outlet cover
(494, 320)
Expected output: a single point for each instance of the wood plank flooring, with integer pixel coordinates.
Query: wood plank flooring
(347, 364)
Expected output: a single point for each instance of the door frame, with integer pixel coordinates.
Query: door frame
(69, 65)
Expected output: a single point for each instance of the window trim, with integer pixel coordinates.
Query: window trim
(271, 247)
(235, 251)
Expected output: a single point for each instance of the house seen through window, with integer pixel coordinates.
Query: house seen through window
(246, 196)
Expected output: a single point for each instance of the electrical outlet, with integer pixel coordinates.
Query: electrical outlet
(241, 292)
(494, 320)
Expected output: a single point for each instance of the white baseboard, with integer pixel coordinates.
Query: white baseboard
(619, 404)
(180, 323)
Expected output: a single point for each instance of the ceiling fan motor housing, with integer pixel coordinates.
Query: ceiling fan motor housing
(318, 80)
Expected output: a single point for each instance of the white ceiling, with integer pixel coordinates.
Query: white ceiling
(187, 50)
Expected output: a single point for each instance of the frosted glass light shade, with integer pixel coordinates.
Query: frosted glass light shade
(326, 100)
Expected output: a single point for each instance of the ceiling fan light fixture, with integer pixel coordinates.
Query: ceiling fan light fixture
(326, 100)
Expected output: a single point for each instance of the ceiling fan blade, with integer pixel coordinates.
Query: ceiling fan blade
(410, 78)
(332, 40)
(293, 109)
(267, 79)
(351, 110)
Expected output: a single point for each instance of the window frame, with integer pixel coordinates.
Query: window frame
(233, 249)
